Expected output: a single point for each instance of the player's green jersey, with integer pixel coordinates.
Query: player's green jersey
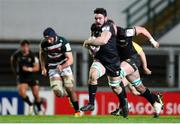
(55, 53)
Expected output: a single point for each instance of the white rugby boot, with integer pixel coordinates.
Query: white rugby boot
(31, 110)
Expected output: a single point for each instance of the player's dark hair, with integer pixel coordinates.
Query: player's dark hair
(24, 42)
(100, 11)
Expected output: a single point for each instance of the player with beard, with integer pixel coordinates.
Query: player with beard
(106, 61)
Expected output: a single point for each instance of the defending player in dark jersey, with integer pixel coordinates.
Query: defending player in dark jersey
(129, 64)
(55, 52)
(105, 60)
(24, 64)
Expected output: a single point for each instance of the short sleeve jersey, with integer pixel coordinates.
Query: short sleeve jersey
(24, 60)
(124, 42)
(55, 53)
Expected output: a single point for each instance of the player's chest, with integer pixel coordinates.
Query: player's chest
(25, 59)
(54, 49)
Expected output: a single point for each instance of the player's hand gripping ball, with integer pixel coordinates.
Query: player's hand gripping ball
(93, 49)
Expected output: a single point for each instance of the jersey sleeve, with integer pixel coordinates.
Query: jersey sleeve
(15, 55)
(130, 32)
(109, 28)
(66, 46)
(106, 27)
(137, 47)
(36, 60)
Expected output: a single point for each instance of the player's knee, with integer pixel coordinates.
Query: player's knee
(93, 78)
(69, 82)
(116, 89)
(136, 83)
(22, 93)
(59, 92)
(122, 73)
(58, 88)
(114, 83)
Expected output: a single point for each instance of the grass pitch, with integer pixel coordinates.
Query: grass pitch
(87, 119)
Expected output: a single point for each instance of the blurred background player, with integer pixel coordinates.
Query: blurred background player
(24, 65)
(106, 61)
(55, 52)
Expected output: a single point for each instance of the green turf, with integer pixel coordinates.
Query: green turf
(88, 119)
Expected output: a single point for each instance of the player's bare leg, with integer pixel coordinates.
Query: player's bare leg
(56, 83)
(118, 88)
(96, 71)
(70, 89)
(22, 88)
(132, 89)
(35, 92)
(92, 88)
(126, 69)
(145, 92)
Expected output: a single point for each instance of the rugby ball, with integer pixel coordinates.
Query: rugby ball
(93, 49)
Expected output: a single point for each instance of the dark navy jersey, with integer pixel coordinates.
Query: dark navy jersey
(55, 53)
(20, 60)
(108, 52)
(124, 42)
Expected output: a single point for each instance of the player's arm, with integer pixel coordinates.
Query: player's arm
(144, 63)
(42, 61)
(145, 32)
(142, 56)
(69, 61)
(35, 67)
(13, 63)
(102, 39)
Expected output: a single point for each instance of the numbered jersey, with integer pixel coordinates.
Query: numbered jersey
(124, 42)
(55, 53)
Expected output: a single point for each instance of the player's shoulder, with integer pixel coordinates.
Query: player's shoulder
(43, 43)
(17, 52)
(108, 26)
(62, 40)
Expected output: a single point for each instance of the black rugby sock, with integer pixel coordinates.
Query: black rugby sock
(122, 96)
(27, 100)
(92, 93)
(38, 104)
(149, 96)
(75, 105)
(122, 99)
(123, 90)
